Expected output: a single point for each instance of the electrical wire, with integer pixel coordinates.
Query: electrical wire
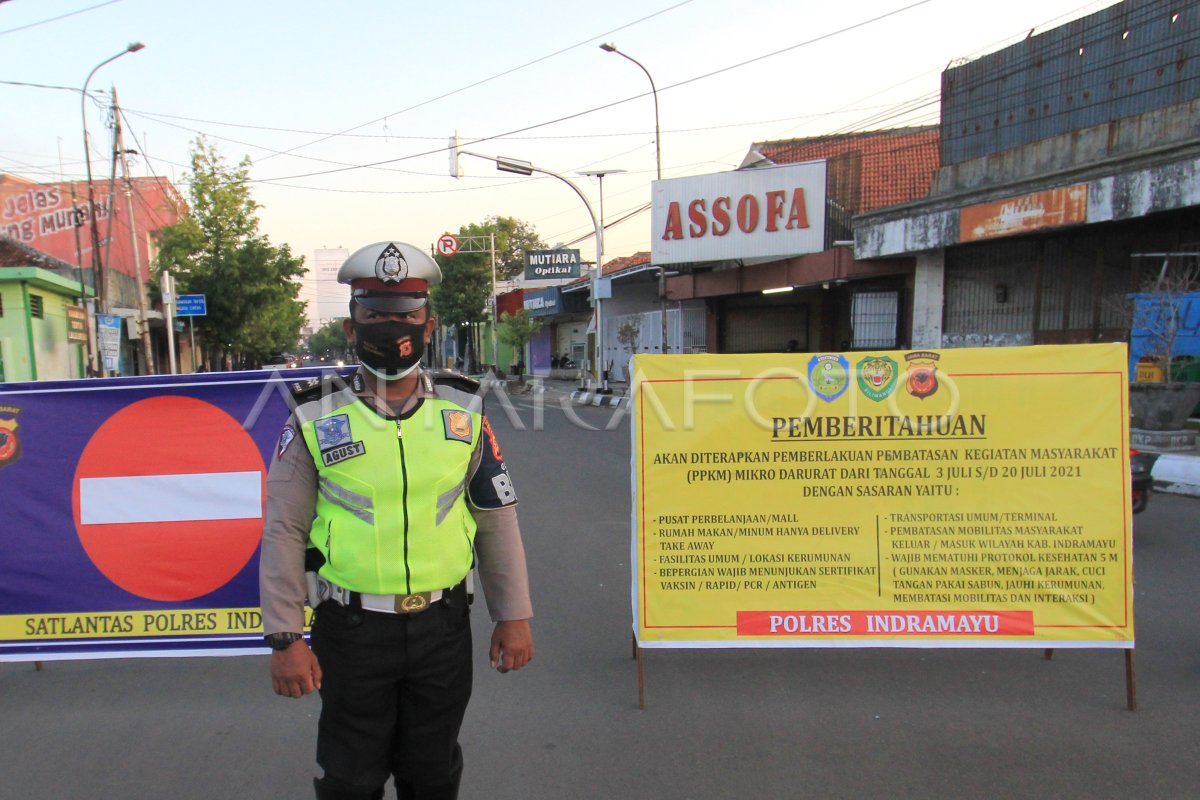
(496, 76)
(60, 16)
(613, 104)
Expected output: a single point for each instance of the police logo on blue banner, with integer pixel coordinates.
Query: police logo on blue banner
(10, 445)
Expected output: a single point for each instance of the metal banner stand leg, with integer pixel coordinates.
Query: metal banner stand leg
(1130, 677)
(1130, 681)
(641, 679)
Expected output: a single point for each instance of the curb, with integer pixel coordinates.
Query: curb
(588, 398)
(1177, 474)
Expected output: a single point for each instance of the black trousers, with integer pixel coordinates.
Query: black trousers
(394, 691)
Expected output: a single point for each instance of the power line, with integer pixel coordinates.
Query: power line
(60, 16)
(159, 117)
(494, 77)
(606, 105)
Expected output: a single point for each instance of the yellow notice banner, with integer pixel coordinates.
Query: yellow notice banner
(951, 498)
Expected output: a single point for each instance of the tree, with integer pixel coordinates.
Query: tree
(216, 250)
(513, 238)
(462, 297)
(516, 330)
(1161, 309)
(628, 335)
(329, 341)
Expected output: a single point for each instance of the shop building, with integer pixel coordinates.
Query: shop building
(1069, 173)
(43, 326)
(765, 252)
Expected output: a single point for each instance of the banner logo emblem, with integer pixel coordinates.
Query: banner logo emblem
(10, 445)
(877, 377)
(922, 374)
(829, 376)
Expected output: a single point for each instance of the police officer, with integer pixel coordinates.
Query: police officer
(380, 496)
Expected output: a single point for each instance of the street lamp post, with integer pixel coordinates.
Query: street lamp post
(609, 47)
(519, 167)
(97, 280)
(599, 174)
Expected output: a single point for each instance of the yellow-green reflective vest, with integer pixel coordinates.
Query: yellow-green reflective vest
(391, 512)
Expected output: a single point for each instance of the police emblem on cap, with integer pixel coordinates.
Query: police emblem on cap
(391, 267)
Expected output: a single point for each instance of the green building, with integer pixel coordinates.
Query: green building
(43, 330)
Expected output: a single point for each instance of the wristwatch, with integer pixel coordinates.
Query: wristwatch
(282, 641)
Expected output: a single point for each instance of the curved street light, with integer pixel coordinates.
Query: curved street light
(519, 167)
(87, 158)
(609, 47)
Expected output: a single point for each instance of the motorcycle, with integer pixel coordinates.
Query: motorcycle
(1140, 465)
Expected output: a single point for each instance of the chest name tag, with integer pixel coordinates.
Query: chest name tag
(331, 457)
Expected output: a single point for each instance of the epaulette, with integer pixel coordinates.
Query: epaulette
(449, 377)
(313, 388)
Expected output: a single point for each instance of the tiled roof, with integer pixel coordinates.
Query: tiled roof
(885, 168)
(626, 262)
(19, 254)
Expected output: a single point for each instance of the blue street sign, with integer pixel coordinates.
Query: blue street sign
(191, 305)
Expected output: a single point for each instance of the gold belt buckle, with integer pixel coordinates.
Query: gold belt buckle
(411, 603)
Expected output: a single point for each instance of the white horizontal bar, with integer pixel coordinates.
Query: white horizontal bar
(171, 498)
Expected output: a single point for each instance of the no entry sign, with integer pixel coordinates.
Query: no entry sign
(167, 498)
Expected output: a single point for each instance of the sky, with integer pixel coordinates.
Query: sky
(345, 109)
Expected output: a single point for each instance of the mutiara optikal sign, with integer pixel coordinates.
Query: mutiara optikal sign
(543, 265)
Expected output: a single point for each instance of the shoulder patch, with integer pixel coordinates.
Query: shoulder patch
(457, 425)
(285, 438)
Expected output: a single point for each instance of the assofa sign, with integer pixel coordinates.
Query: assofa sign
(756, 213)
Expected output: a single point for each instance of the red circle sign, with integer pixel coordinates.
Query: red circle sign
(447, 245)
(168, 498)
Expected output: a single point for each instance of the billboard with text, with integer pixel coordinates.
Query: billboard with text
(132, 513)
(962, 498)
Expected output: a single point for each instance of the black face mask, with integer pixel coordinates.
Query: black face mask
(389, 350)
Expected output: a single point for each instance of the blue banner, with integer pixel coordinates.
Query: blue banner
(133, 511)
(1162, 319)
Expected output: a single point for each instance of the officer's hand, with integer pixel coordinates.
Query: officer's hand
(295, 671)
(512, 645)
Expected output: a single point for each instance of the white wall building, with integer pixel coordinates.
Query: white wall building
(332, 299)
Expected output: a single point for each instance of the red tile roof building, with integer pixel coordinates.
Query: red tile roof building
(870, 169)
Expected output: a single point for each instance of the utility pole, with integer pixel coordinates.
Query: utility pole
(495, 306)
(76, 223)
(143, 311)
